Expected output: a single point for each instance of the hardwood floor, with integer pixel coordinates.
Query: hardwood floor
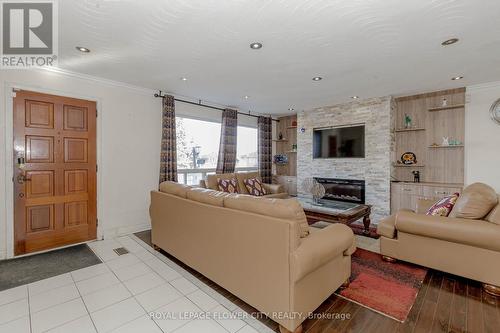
(445, 303)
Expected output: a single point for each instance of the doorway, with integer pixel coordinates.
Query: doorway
(55, 171)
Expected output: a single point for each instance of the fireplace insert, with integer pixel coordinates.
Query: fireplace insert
(347, 190)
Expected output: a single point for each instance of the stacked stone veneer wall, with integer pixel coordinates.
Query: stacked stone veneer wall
(375, 169)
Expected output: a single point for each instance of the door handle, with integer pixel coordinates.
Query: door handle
(22, 178)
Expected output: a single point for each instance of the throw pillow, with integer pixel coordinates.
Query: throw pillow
(254, 187)
(444, 206)
(227, 185)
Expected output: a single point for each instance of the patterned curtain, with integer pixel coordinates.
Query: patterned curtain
(168, 159)
(265, 129)
(226, 161)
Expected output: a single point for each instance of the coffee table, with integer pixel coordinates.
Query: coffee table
(336, 212)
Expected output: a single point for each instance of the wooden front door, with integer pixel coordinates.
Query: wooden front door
(54, 171)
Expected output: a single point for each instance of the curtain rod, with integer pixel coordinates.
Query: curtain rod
(159, 94)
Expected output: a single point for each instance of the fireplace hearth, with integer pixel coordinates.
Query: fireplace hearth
(347, 190)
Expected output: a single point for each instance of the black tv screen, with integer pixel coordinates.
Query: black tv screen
(339, 142)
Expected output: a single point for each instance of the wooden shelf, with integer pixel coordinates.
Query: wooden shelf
(450, 146)
(291, 127)
(448, 107)
(408, 165)
(410, 129)
(291, 152)
(282, 140)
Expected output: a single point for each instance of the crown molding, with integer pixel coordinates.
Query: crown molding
(480, 86)
(97, 79)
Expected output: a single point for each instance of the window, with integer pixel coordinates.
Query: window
(198, 149)
(246, 151)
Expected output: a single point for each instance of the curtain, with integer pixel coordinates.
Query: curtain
(226, 161)
(168, 157)
(265, 128)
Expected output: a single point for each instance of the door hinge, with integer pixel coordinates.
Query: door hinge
(96, 112)
(96, 168)
(14, 90)
(96, 222)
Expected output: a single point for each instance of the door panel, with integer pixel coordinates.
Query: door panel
(39, 114)
(75, 181)
(55, 190)
(75, 118)
(39, 184)
(39, 149)
(75, 150)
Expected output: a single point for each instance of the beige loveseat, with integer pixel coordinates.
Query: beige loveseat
(273, 190)
(467, 243)
(259, 249)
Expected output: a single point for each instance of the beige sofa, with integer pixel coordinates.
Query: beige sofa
(273, 190)
(259, 249)
(467, 243)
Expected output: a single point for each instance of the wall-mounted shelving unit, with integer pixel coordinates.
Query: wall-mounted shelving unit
(434, 116)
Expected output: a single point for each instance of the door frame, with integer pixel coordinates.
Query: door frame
(9, 161)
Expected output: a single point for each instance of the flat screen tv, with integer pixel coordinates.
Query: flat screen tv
(339, 142)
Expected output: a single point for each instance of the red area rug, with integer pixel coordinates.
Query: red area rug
(387, 288)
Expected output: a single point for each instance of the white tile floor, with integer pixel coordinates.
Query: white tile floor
(118, 295)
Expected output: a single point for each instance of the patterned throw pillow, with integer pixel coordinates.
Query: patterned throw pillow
(254, 187)
(444, 206)
(227, 185)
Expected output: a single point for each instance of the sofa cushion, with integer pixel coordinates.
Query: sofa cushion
(476, 233)
(211, 181)
(254, 187)
(475, 202)
(208, 196)
(241, 176)
(287, 209)
(443, 206)
(227, 185)
(174, 188)
(494, 215)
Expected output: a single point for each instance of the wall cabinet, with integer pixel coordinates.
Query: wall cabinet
(405, 195)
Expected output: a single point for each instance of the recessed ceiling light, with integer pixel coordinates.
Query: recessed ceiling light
(256, 45)
(247, 97)
(184, 78)
(291, 109)
(354, 97)
(449, 41)
(457, 78)
(82, 49)
(317, 78)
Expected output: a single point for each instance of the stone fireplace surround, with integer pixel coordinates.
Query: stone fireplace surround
(374, 169)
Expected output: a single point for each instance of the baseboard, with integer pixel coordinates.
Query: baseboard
(122, 231)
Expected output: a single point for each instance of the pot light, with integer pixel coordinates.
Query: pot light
(256, 45)
(291, 109)
(184, 78)
(246, 97)
(457, 78)
(449, 41)
(317, 78)
(354, 97)
(83, 49)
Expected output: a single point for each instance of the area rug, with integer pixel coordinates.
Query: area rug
(19, 271)
(387, 288)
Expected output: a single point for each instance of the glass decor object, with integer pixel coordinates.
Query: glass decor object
(280, 159)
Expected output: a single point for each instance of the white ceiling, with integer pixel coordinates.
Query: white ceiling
(360, 47)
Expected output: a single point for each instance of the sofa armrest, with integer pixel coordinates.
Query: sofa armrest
(387, 227)
(423, 205)
(274, 188)
(320, 247)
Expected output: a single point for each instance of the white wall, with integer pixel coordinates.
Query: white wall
(129, 132)
(482, 136)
